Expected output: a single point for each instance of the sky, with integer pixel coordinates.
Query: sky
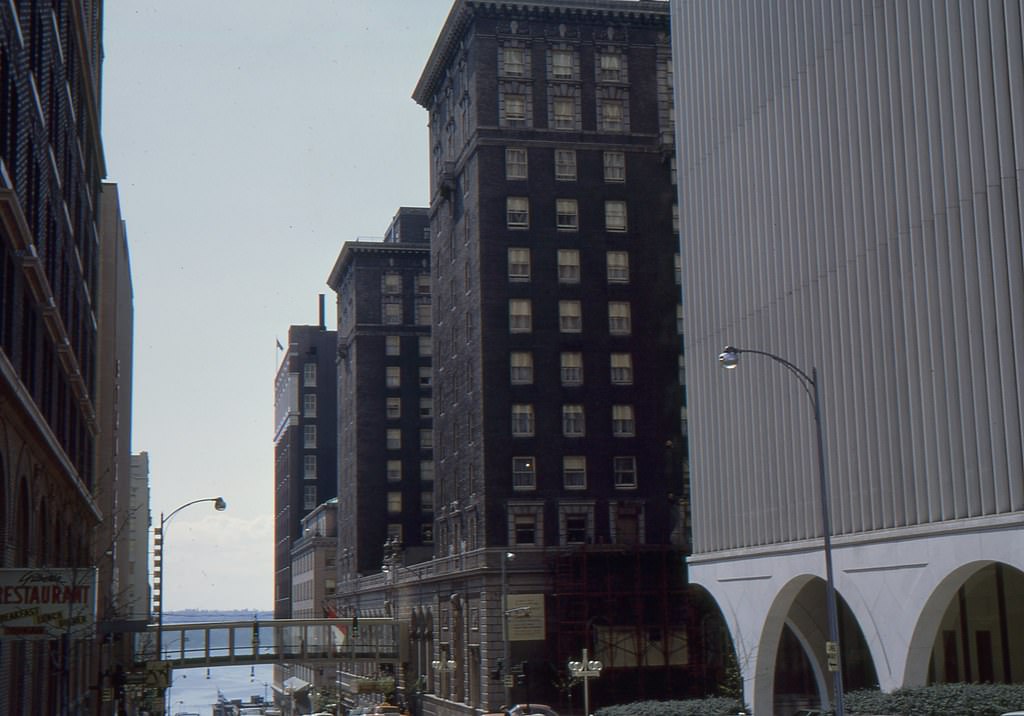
(249, 139)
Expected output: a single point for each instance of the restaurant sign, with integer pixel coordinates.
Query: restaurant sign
(47, 603)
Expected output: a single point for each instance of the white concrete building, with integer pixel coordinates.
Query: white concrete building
(850, 199)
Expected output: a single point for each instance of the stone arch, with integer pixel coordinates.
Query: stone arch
(932, 613)
(798, 619)
(718, 655)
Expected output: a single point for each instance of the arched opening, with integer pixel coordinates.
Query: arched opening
(710, 639)
(802, 679)
(974, 640)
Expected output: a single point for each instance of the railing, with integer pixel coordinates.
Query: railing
(208, 644)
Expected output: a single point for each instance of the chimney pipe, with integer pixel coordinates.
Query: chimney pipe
(323, 314)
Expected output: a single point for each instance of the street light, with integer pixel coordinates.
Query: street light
(158, 572)
(729, 358)
(506, 676)
(586, 669)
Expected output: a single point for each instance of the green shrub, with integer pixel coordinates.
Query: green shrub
(716, 706)
(939, 700)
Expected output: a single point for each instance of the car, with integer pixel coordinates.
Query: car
(532, 710)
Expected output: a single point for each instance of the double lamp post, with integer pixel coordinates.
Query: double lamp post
(729, 358)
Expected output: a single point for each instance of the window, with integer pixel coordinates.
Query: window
(574, 472)
(614, 167)
(515, 108)
(675, 219)
(423, 284)
(426, 346)
(393, 438)
(622, 368)
(612, 115)
(624, 470)
(423, 310)
(427, 533)
(309, 497)
(572, 369)
(619, 320)
(426, 470)
(309, 437)
(309, 467)
(391, 310)
(677, 261)
(615, 215)
(513, 61)
(426, 408)
(565, 164)
(609, 67)
(392, 345)
(623, 425)
(427, 501)
(395, 532)
(426, 439)
(618, 267)
(679, 318)
(570, 318)
(567, 215)
(426, 376)
(521, 367)
(515, 163)
(563, 113)
(573, 421)
(576, 531)
(390, 284)
(520, 315)
(392, 376)
(309, 405)
(524, 528)
(394, 502)
(522, 420)
(518, 264)
(562, 65)
(309, 375)
(517, 214)
(568, 266)
(524, 473)
(394, 470)
(393, 408)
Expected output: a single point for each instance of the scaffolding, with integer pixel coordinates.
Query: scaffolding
(631, 607)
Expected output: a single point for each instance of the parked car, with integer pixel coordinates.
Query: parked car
(532, 710)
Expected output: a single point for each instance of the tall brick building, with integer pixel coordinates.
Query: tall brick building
(559, 432)
(51, 164)
(305, 443)
(385, 416)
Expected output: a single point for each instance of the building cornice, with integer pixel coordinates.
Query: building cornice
(464, 11)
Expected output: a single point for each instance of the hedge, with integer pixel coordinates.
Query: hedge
(717, 706)
(939, 700)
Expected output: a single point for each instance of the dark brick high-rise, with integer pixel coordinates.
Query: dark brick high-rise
(305, 443)
(386, 460)
(559, 434)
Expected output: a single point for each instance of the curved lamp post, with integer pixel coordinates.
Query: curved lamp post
(158, 570)
(729, 358)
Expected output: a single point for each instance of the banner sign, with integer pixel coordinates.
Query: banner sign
(47, 603)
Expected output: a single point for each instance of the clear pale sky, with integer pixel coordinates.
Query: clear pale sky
(249, 140)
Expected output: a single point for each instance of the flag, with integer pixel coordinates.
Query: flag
(279, 346)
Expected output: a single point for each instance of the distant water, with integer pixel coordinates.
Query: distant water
(192, 692)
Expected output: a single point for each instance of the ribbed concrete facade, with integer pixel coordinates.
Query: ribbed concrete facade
(850, 199)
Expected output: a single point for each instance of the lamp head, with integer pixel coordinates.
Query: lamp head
(729, 358)
(219, 504)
